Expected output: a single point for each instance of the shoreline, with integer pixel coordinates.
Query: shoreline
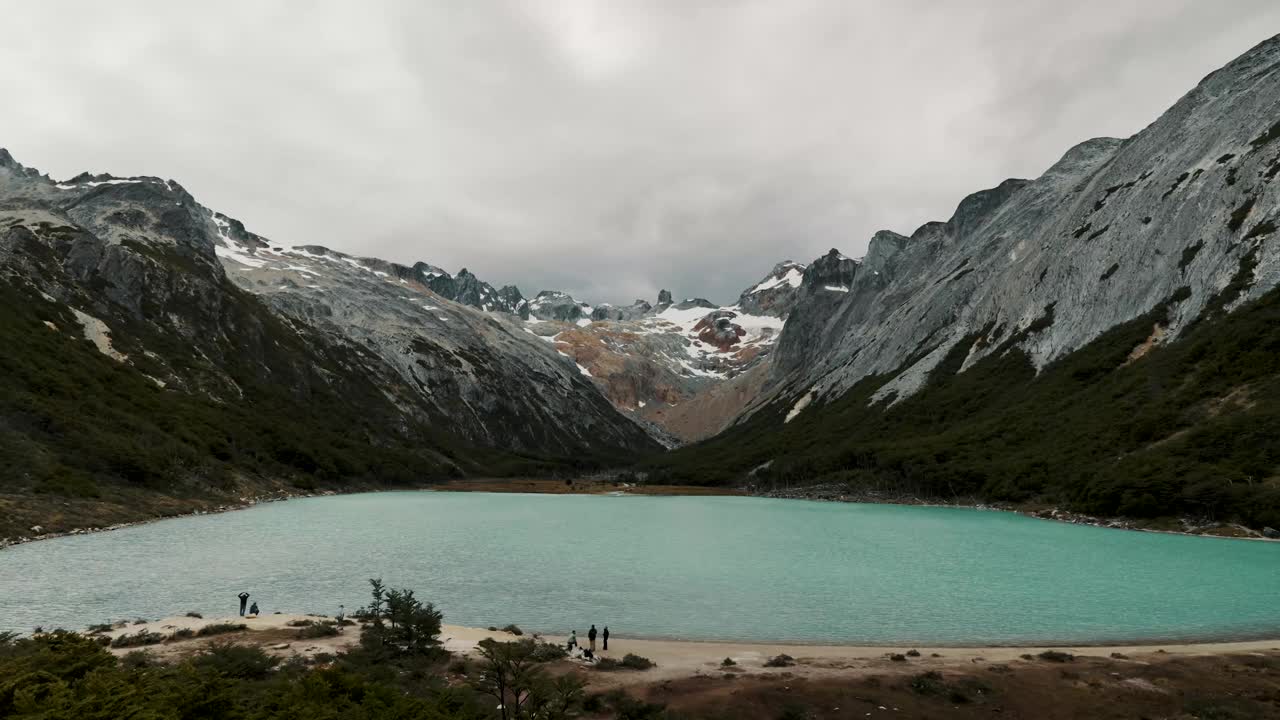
(829, 493)
(684, 658)
(542, 486)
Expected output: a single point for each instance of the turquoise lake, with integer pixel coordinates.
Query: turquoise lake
(698, 568)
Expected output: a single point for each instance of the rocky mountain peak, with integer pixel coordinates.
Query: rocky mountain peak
(831, 270)
(554, 305)
(976, 208)
(776, 293)
(634, 311)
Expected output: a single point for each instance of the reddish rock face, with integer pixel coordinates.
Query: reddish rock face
(718, 329)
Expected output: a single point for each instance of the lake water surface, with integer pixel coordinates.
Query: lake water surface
(705, 568)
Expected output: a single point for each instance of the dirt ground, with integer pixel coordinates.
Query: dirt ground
(1222, 681)
(1243, 686)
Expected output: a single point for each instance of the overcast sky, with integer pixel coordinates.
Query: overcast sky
(606, 148)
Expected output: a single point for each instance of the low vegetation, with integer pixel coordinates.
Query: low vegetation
(220, 629)
(1056, 656)
(963, 691)
(138, 639)
(319, 630)
(398, 670)
(636, 662)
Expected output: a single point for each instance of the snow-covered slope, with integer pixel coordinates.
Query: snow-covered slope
(649, 359)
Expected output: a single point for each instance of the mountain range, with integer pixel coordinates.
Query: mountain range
(1103, 336)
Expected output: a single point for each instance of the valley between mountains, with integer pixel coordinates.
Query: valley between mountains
(1104, 338)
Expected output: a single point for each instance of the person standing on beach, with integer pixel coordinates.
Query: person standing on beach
(244, 601)
(605, 636)
(573, 639)
(591, 638)
(342, 613)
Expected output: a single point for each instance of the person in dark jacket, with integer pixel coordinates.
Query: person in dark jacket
(591, 638)
(253, 610)
(605, 636)
(244, 601)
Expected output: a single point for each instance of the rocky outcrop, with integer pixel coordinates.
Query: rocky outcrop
(558, 306)
(775, 294)
(634, 311)
(1185, 209)
(718, 329)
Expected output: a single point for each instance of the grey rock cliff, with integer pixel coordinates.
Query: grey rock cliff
(1110, 231)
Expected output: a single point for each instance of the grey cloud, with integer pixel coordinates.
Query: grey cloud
(609, 149)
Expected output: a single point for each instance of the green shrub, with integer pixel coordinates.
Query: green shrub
(783, 660)
(236, 661)
(636, 662)
(319, 630)
(142, 637)
(928, 683)
(220, 629)
(137, 660)
(513, 629)
(727, 662)
(549, 652)
(1057, 656)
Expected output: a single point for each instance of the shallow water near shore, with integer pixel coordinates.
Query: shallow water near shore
(694, 568)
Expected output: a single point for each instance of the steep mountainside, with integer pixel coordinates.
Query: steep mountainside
(477, 372)
(1060, 338)
(1104, 236)
(133, 368)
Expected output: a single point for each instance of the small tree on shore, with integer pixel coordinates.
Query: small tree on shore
(512, 674)
(400, 622)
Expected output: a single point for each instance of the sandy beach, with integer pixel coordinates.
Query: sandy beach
(673, 658)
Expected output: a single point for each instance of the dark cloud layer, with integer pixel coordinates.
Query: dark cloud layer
(605, 148)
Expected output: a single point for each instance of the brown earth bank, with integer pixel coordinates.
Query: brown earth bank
(602, 485)
(735, 680)
(839, 492)
(25, 517)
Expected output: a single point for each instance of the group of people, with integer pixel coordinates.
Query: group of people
(253, 610)
(589, 652)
